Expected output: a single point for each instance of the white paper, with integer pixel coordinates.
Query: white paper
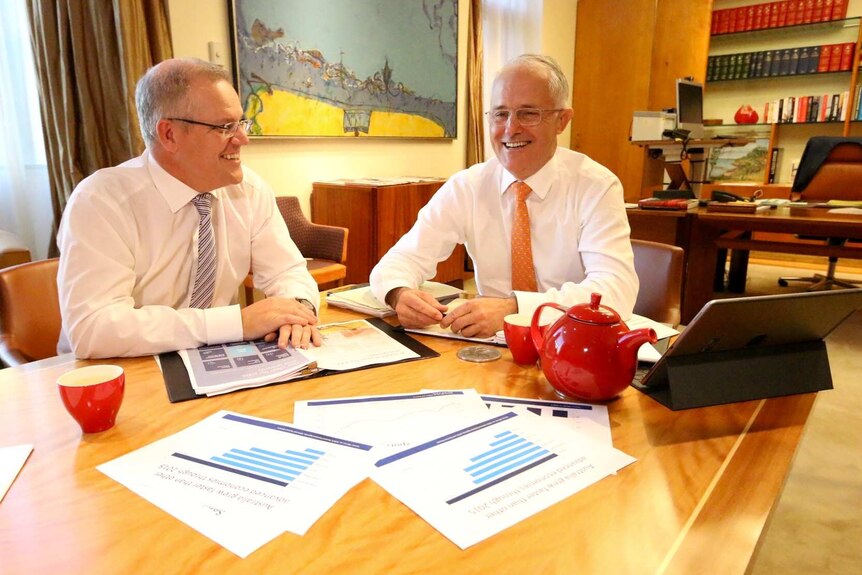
(647, 352)
(479, 480)
(240, 480)
(361, 299)
(590, 420)
(391, 421)
(354, 344)
(12, 460)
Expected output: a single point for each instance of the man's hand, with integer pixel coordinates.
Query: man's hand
(415, 308)
(280, 317)
(480, 317)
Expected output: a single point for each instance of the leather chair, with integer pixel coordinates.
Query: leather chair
(29, 312)
(830, 169)
(324, 247)
(660, 271)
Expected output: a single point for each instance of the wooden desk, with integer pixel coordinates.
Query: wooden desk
(699, 494)
(701, 234)
(377, 216)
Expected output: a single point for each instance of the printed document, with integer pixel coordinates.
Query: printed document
(242, 481)
(12, 459)
(483, 478)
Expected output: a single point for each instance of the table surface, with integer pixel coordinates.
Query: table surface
(699, 494)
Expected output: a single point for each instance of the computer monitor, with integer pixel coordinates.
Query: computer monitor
(689, 107)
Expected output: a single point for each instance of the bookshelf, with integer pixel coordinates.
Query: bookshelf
(795, 97)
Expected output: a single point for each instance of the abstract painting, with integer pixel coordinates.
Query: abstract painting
(347, 68)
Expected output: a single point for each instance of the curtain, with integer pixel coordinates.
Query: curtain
(89, 54)
(24, 195)
(475, 117)
(509, 28)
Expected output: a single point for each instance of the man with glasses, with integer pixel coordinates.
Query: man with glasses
(153, 251)
(540, 223)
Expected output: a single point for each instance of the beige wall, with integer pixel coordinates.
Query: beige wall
(291, 165)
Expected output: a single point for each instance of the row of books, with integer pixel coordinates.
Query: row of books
(776, 15)
(857, 110)
(781, 62)
(800, 109)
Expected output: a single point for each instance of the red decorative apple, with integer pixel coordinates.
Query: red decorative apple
(746, 115)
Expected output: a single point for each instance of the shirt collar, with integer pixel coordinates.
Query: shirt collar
(175, 193)
(540, 182)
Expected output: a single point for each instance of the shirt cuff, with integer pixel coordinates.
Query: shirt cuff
(223, 324)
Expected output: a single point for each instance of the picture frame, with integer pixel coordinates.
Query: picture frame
(746, 163)
(332, 68)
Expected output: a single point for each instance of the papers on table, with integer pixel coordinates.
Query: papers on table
(647, 352)
(216, 369)
(438, 331)
(12, 460)
(240, 480)
(480, 479)
(362, 300)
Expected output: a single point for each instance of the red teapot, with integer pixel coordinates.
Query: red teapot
(588, 353)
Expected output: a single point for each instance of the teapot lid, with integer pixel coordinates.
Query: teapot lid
(594, 312)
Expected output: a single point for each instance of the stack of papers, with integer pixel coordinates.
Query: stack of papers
(362, 300)
(470, 465)
(217, 369)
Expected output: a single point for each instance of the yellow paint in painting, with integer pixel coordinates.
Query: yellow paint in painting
(286, 113)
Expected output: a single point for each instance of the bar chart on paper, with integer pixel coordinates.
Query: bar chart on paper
(279, 468)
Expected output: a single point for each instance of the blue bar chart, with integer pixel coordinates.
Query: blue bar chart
(279, 468)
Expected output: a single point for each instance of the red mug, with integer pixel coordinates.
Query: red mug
(516, 328)
(92, 395)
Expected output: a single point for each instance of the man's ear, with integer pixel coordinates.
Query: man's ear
(564, 119)
(167, 134)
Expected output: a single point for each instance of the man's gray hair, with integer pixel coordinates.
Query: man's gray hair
(161, 92)
(557, 83)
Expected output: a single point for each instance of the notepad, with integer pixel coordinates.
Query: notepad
(362, 300)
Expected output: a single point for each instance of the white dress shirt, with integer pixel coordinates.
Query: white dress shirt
(578, 227)
(128, 254)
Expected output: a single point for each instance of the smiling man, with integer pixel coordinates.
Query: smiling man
(153, 251)
(540, 223)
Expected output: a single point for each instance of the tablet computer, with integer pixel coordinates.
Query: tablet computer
(744, 342)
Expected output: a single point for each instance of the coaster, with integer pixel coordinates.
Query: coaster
(479, 354)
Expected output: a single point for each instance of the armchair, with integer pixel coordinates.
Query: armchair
(324, 247)
(659, 268)
(29, 312)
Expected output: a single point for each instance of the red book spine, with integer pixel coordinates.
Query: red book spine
(835, 58)
(713, 22)
(817, 13)
(846, 56)
(839, 9)
(808, 12)
(758, 17)
(723, 21)
(766, 18)
(782, 13)
(825, 57)
(773, 14)
(827, 11)
(749, 18)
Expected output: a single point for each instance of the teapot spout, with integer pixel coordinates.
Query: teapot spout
(629, 342)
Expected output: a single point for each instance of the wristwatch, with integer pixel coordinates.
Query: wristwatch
(307, 304)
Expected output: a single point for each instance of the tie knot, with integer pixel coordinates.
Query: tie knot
(202, 203)
(522, 190)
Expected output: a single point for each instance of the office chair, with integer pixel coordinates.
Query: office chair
(324, 247)
(830, 169)
(660, 269)
(29, 312)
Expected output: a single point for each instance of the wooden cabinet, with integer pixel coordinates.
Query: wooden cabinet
(377, 216)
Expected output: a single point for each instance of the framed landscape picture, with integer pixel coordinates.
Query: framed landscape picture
(739, 163)
(347, 68)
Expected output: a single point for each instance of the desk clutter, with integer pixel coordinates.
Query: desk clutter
(470, 465)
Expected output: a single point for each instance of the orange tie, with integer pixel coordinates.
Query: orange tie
(523, 274)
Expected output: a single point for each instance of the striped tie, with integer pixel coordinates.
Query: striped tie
(202, 293)
(523, 274)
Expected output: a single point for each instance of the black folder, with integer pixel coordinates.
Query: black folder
(179, 386)
(748, 348)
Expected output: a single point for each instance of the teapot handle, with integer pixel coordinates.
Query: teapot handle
(536, 333)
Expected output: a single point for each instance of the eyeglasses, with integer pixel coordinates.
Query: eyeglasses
(228, 129)
(525, 116)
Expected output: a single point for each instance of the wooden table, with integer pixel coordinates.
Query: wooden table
(699, 494)
(701, 234)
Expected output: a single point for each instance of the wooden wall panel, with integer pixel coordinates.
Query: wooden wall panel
(627, 56)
